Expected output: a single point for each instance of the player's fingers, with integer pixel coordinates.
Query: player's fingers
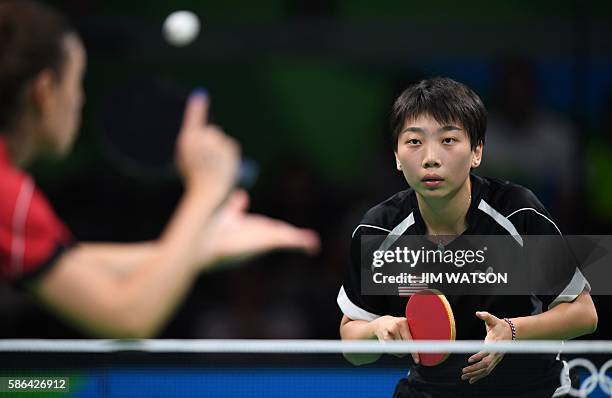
(481, 369)
(475, 379)
(404, 331)
(488, 318)
(386, 335)
(196, 110)
(483, 315)
(477, 357)
(239, 200)
(473, 368)
(472, 375)
(309, 241)
(394, 330)
(483, 374)
(393, 334)
(497, 357)
(282, 235)
(405, 335)
(302, 239)
(292, 235)
(491, 362)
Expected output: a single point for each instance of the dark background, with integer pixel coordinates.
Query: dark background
(306, 86)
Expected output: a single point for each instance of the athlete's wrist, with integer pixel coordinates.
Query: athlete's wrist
(511, 327)
(373, 328)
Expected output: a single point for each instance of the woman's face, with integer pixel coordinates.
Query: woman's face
(60, 112)
(435, 159)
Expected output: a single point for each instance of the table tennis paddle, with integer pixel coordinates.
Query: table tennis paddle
(430, 317)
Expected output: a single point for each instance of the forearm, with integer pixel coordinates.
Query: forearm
(156, 286)
(132, 306)
(358, 330)
(138, 303)
(121, 258)
(182, 234)
(564, 321)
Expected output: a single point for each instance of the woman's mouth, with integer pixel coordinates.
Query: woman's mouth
(432, 180)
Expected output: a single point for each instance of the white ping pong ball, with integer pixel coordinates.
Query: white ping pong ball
(181, 28)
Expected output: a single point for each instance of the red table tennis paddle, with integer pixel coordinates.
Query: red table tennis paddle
(430, 317)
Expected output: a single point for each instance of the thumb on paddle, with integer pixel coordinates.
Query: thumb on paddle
(486, 317)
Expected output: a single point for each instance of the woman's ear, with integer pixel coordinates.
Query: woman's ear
(477, 155)
(42, 91)
(397, 162)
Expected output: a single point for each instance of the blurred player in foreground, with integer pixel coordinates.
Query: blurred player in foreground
(438, 130)
(110, 290)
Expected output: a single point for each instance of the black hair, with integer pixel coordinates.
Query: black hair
(31, 40)
(446, 101)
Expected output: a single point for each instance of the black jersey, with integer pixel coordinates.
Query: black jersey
(497, 208)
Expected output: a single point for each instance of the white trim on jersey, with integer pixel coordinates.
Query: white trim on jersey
(501, 220)
(369, 226)
(351, 310)
(571, 291)
(576, 285)
(20, 215)
(574, 288)
(537, 212)
(397, 232)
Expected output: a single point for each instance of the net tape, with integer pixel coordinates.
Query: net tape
(594, 379)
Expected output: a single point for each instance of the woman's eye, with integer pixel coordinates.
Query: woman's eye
(413, 141)
(449, 140)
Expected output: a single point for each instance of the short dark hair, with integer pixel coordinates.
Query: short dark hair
(31, 40)
(446, 101)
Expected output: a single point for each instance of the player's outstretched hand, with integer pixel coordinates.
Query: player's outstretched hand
(483, 363)
(387, 328)
(204, 153)
(234, 233)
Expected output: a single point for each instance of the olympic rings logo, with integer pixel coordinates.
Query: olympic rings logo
(595, 378)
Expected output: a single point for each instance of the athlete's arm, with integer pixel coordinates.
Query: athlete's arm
(563, 321)
(231, 234)
(120, 258)
(384, 328)
(138, 304)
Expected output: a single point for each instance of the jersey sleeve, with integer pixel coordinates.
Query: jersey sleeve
(32, 237)
(555, 269)
(352, 302)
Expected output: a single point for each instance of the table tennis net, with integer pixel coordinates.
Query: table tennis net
(268, 368)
